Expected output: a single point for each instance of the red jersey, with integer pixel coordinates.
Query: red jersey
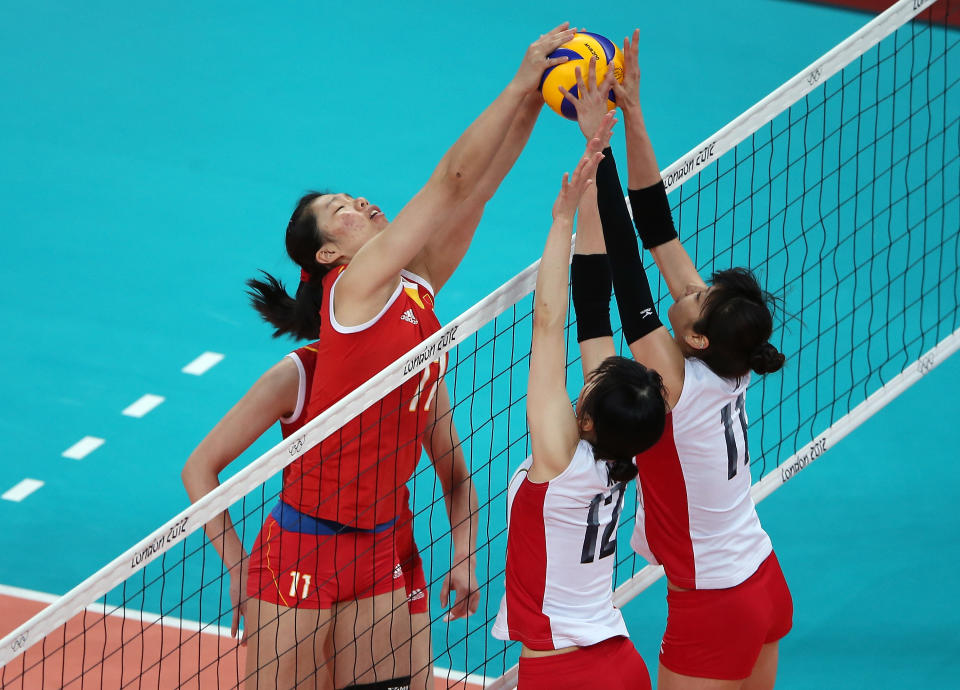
(306, 360)
(353, 476)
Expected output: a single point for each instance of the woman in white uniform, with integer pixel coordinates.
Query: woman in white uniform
(565, 500)
(728, 602)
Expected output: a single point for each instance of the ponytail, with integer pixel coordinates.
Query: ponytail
(297, 316)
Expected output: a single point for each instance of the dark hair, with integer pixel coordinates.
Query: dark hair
(297, 316)
(737, 321)
(628, 410)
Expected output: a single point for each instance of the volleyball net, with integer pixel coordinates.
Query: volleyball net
(841, 190)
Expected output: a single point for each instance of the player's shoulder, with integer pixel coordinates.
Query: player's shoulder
(306, 355)
(281, 381)
(702, 376)
(289, 367)
(419, 280)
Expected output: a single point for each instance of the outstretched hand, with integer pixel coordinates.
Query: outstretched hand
(628, 91)
(591, 99)
(573, 186)
(535, 61)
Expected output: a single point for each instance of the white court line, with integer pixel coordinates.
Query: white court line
(181, 624)
(202, 364)
(83, 448)
(18, 593)
(452, 675)
(143, 405)
(20, 491)
(124, 613)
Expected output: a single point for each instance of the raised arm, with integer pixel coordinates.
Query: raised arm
(373, 272)
(273, 396)
(590, 270)
(553, 426)
(648, 198)
(650, 343)
(591, 286)
(449, 243)
(442, 444)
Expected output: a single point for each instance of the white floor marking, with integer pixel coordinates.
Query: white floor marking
(20, 491)
(202, 364)
(83, 448)
(143, 405)
(182, 624)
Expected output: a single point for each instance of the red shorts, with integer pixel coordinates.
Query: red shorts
(718, 633)
(311, 571)
(613, 664)
(418, 600)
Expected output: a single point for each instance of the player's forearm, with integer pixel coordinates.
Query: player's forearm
(589, 238)
(634, 299)
(550, 297)
(455, 179)
(676, 267)
(223, 535)
(512, 145)
(591, 286)
(463, 511)
(642, 169)
(447, 247)
(671, 258)
(459, 495)
(463, 166)
(199, 482)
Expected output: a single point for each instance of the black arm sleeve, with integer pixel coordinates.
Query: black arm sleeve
(590, 275)
(634, 299)
(651, 215)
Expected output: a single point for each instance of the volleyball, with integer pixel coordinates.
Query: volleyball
(579, 50)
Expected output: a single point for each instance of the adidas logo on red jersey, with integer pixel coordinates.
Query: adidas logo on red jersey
(409, 317)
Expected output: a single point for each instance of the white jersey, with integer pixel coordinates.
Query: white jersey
(561, 543)
(694, 511)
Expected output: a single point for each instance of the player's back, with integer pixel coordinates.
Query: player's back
(560, 557)
(694, 511)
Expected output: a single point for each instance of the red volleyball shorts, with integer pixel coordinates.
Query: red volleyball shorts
(418, 600)
(315, 571)
(613, 664)
(718, 633)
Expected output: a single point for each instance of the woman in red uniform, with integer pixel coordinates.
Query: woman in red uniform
(564, 502)
(330, 547)
(728, 602)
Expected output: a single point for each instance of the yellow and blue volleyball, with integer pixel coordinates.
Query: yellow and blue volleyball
(579, 50)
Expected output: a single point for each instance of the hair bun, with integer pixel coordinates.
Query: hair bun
(623, 470)
(766, 359)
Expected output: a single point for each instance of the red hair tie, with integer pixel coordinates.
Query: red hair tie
(304, 276)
